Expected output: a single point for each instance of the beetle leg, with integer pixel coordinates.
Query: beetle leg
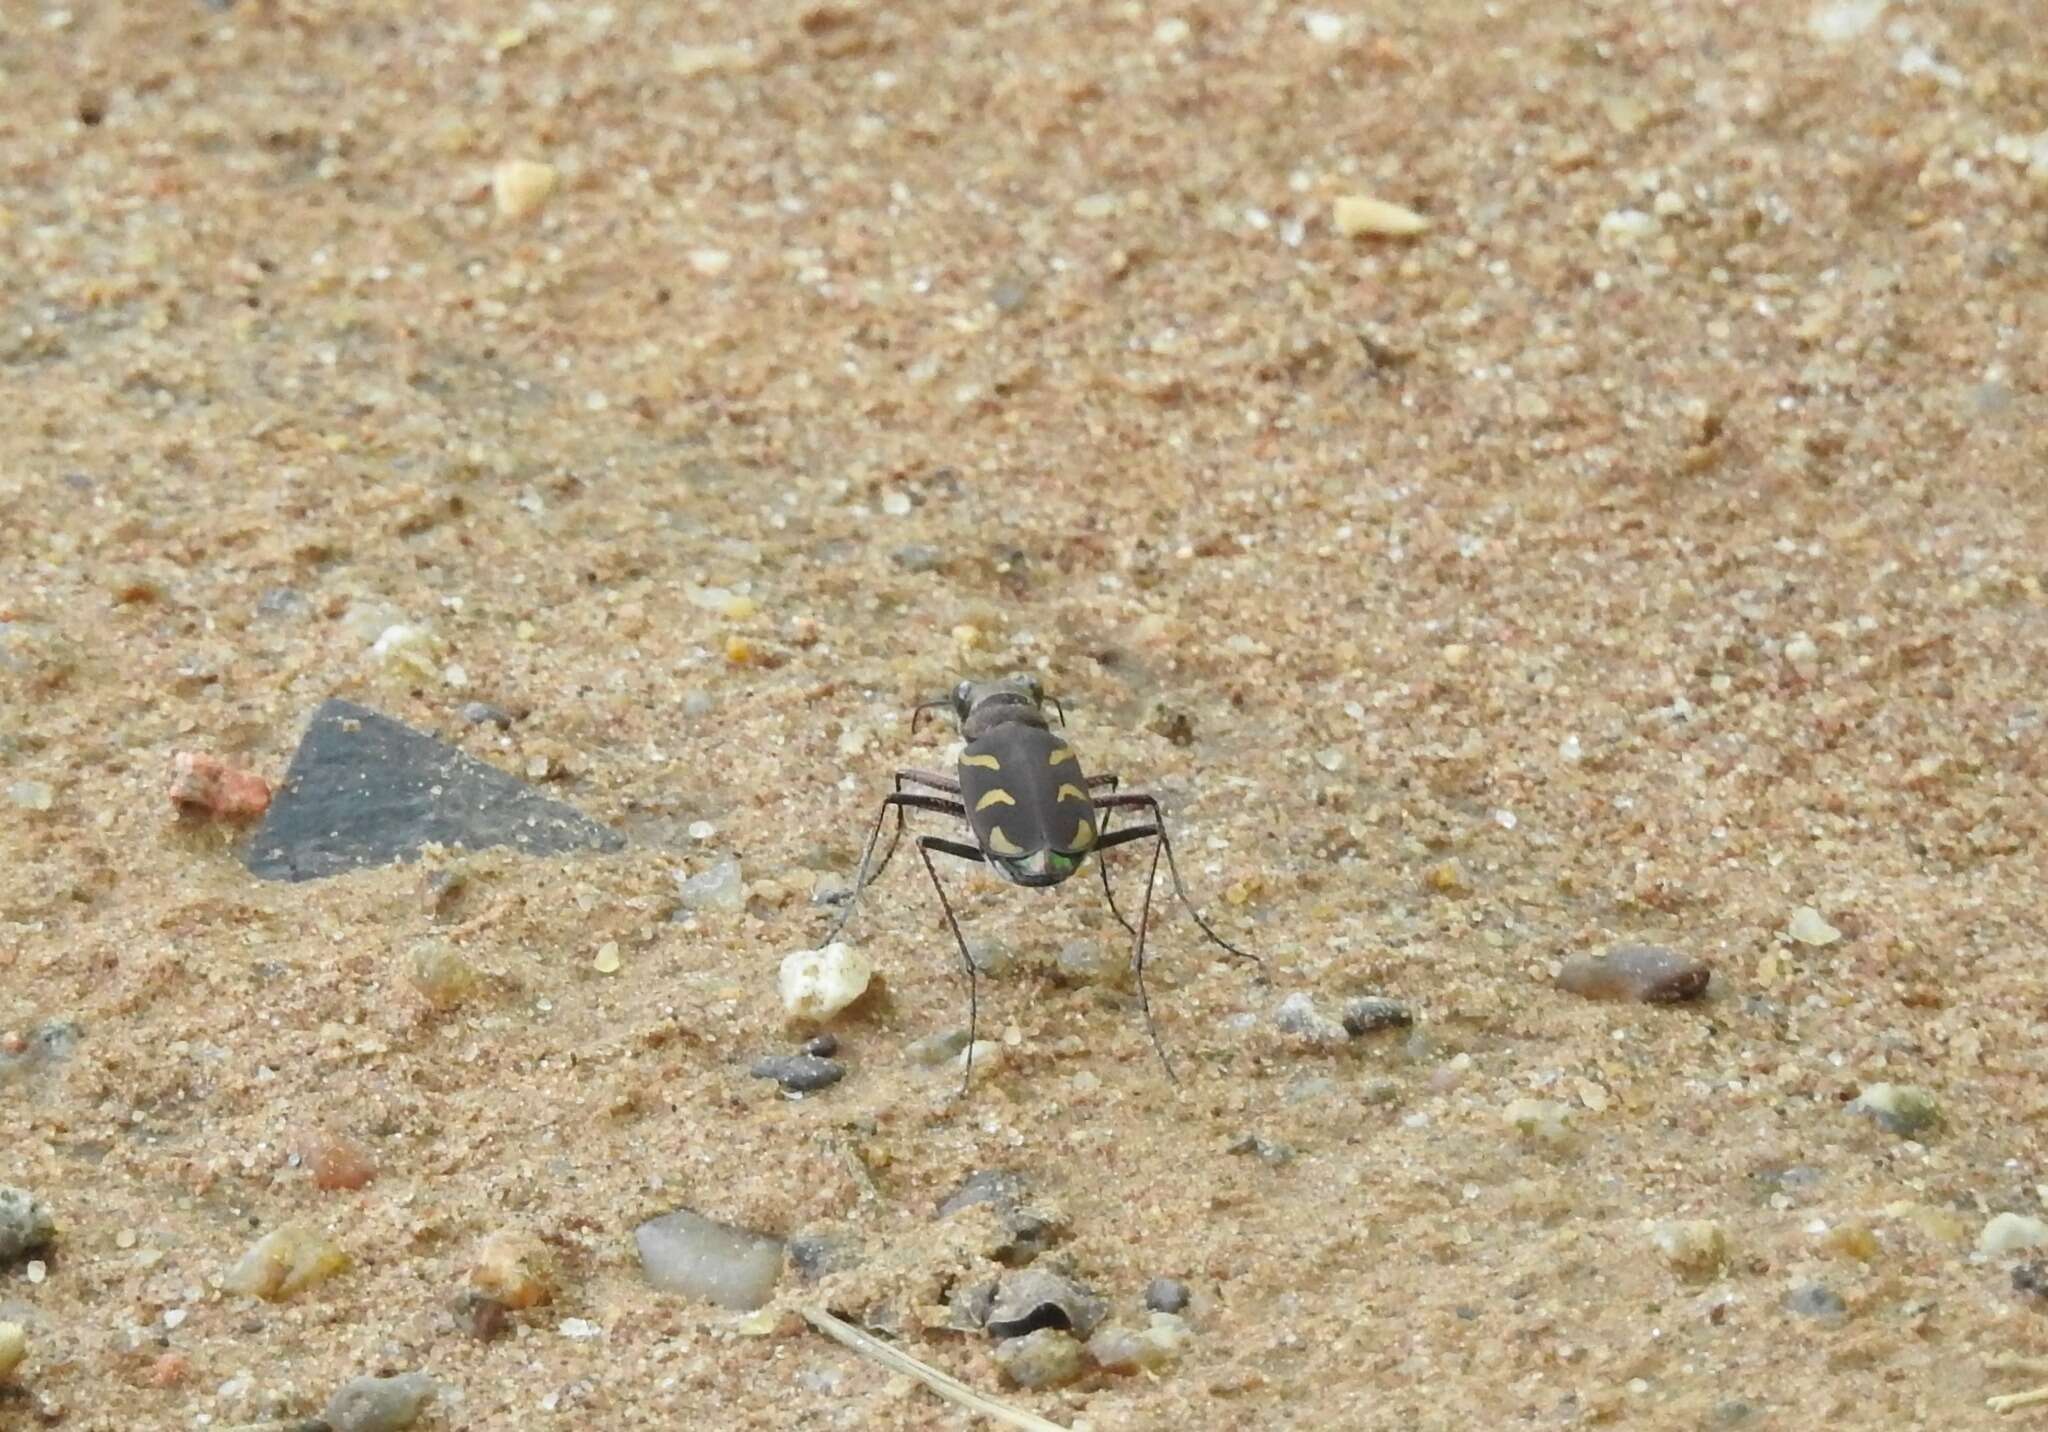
(934, 780)
(1158, 837)
(926, 844)
(900, 800)
(1142, 801)
(1095, 783)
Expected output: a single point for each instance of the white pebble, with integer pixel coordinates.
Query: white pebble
(13, 1348)
(1843, 19)
(2012, 1232)
(1323, 27)
(710, 262)
(817, 984)
(1808, 927)
(521, 186)
(1356, 214)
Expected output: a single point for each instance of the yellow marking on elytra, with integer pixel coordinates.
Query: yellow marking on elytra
(1075, 791)
(1001, 843)
(995, 797)
(990, 761)
(1059, 753)
(1084, 835)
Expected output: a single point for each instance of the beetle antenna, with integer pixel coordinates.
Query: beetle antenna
(1057, 709)
(917, 711)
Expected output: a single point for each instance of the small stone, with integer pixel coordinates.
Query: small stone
(1838, 21)
(25, 1224)
(718, 888)
(483, 713)
(1851, 1240)
(799, 1073)
(31, 795)
(2010, 1233)
(814, 1255)
(968, 1308)
(1361, 214)
(481, 1317)
(1814, 1301)
(378, 1404)
(2031, 1279)
(1446, 877)
(1156, 1347)
(709, 263)
(1695, 1248)
(1297, 1015)
(439, 973)
(1031, 1299)
(1903, 1109)
(335, 1163)
(685, 1252)
(1167, 1295)
(406, 652)
(1803, 656)
(1644, 974)
(1809, 928)
(1089, 962)
(917, 557)
(1045, 1358)
(1370, 1014)
(521, 186)
(283, 1262)
(1265, 1150)
(13, 1348)
(514, 1269)
(824, 1046)
(932, 1050)
(1542, 1121)
(207, 786)
(1005, 1188)
(817, 984)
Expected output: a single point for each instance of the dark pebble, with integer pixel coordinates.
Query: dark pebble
(1033, 1298)
(2031, 1278)
(1166, 1295)
(824, 1046)
(1003, 1187)
(815, 1254)
(1368, 1015)
(968, 1309)
(1814, 1301)
(799, 1073)
(1025, 1233)
(1644, 974)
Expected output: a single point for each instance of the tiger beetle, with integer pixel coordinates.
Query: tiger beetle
(1035, 818)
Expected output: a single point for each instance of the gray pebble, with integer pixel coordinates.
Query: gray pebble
(935, 1049)
(1644, 974)
(1166, 1295)
(1297, 1015)
(1005, 1188)
(25, 1224)
(284, 604)
(816, 1253)
(969, 1307)
(1371, 1014)
(799, 1073)
(1035, 1298)
(482, 713)
(824, 1046)
(917, 557)
(1815, 1301)
(1265, 1150)
(378, 1404)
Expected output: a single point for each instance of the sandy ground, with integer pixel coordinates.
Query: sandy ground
(1649, 549)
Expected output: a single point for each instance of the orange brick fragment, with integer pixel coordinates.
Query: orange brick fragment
(207, 785)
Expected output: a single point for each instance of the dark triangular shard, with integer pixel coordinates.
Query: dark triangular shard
(365, 790)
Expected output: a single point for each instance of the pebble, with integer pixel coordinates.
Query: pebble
(919, 558)
(208, 786)
(824, 1046)
(1693, 1247)
(335, 1163)
(2031, 1279)
(799, 1073)
(442, 977)
(483, 713)
(1089, 962)
(1157, 1346)
(1297, 1015)
(1357, 214)
(1644, 974)
(1370, 1014)
(521, 186)
(1903, 1109)
(1167, 1295)
(1808, 927)
(2010, 1233)
(1030, 1299)
(1265, 1150)
(25, 1224)
(815, 1254)
(1815, 1301)
(606, 960)
(1005, 1188)
(482, 1318)
(514, 1269)
(932, 1050)
(718, 888)
(378, 1404)
(1542, 1120)
(817, 984)
(685, 1252)
(283, 1262)
(1045, 1358)
(13, 1348)
(32, 795)
(1022, 1233)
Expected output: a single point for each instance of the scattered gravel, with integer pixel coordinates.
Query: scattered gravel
(379, 1404)
(799, 1073)
(685, 1252)
(26, 1225)
(1645, 974)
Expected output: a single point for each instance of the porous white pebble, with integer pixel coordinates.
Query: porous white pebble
(817, 984)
